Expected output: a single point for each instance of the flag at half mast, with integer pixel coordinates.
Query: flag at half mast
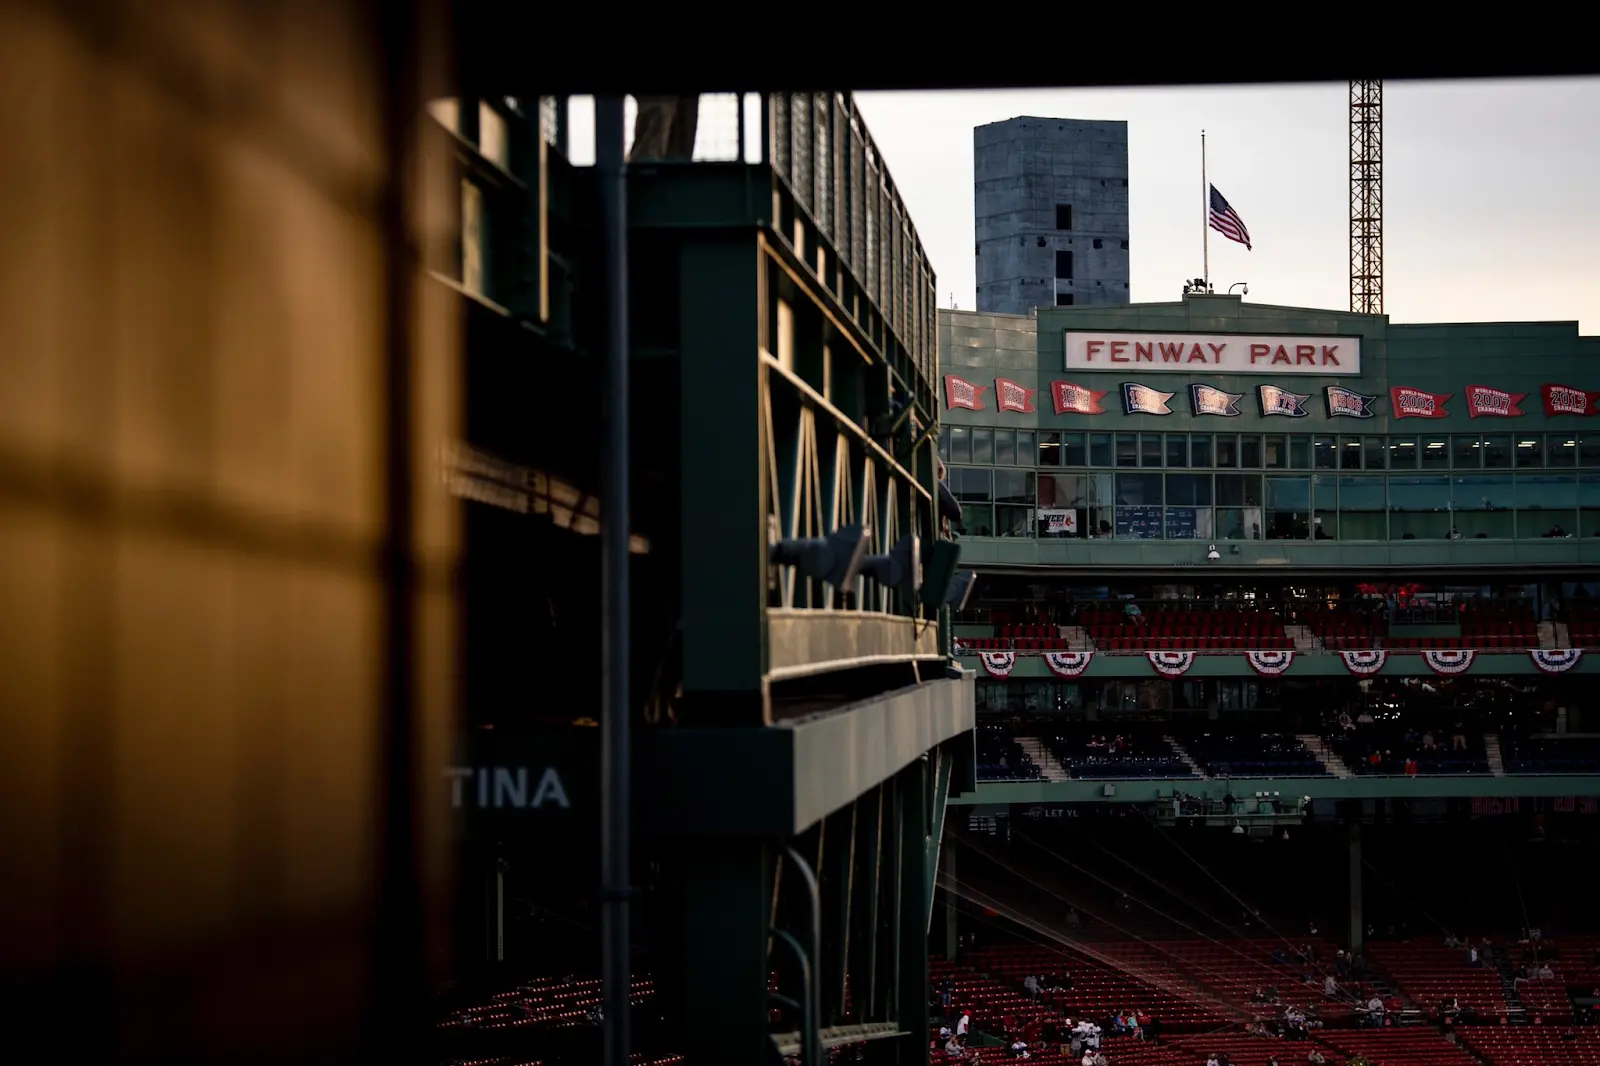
(1226, 221)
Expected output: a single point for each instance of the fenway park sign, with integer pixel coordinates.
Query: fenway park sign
(1213, 353)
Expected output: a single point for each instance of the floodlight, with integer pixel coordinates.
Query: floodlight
(835, 559)
(900, 569)
(961, 587)
(938, 571)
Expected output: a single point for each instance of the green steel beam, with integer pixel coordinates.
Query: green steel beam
(1285, 559)
(1328, 788)
(943, 764)
(1031, 666)
(916, 880)
(836, 872)
(866, 902)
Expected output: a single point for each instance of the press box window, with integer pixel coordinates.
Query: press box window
(1064, 265)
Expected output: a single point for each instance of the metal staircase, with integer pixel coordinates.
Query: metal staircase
(1185, 757)
(1492, 755)
(1048, 765)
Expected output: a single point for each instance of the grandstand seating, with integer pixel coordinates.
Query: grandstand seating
(1393, 745)
(1427, 973)
(1002, 759)
(1093, 756)
(1395, 1046)
(548, 1002)
(1236, 968)
(1565, 756)
(1254, 755)
(1354, 629)
(1583, 624)
(1197, 630)
(1534, 1045)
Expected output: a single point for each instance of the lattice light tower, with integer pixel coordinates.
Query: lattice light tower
(1366, 197)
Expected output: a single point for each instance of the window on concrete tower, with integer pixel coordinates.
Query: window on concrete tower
(1064, 265)
(1063, 216)
(1063, 299)
(1098, 243)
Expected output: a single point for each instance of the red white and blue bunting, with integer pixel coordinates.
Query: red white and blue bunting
(1270, 663)
(1555, 660)
(1364, 663)
(1450, 662)
(998, 663)
(1171, 663)
(1068, 663)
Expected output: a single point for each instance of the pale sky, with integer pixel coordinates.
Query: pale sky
(1491, 190)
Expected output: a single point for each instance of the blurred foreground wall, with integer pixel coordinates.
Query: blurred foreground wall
(221, 395)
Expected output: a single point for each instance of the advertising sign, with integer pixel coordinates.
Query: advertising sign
(1208, 353)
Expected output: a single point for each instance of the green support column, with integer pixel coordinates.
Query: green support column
(720, 299)
(1357, 918)
(726, 902)
(911, 963)
(867, 906)
(836, 875)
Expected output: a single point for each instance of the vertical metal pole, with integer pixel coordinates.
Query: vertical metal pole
(615, 831)
(1205, 215)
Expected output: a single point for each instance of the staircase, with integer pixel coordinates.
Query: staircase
(1077, 638)
(1552, 635)
(1325, 755)
(1302, 636)
(1491, 745)
(1185, 757)
(1034, 749)
(1516, 1010)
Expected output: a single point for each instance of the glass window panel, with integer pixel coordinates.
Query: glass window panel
(1099, 449)
(983, 446)
(1299, 452)
(1589, 449)
(1227, 451)
(1189, 489)
(1177, 449)
(1275, 453)
(1402, 453)
(1288, 508)
(1013, 521)
(1199, 449)
(1589, 505)
(944, 442)
(1138, 490)
(1250, 451)
(1363, 509)
(1061, 491)
(1127, 449)
(1072, 450)
(1529, 451)
(1497, 451)
(977, 520)
(1005, 447)
(1435, 452)
(1483, 507)
(1238, 523)
(1560, 449)
(1466, 448)
(1026, 447)
(1139, 523)
(1325, 453)
(1049, 448)
(1239, 490)
(1324, 492)
(960, 445)
(971, 483)
(1419, 508)
(1150, 449)
(1013, 486)
(1547, 504)
(1374, 453)
(1350, 453)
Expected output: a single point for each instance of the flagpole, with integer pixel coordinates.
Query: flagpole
(1205, 214)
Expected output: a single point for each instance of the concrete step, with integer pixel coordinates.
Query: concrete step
(1552, 635)
(1491, 746)
(1325, 755)
(1185, 757)
(1304, 639)
(1034, 749)
(1077, 638)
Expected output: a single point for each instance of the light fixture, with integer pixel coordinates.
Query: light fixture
(961, 587)
(938, 572)
(835, 559)
(1212, 554)
(900, 569)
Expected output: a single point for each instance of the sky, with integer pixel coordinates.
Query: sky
(1491, 190)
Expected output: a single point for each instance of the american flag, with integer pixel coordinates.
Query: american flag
(1226, 221)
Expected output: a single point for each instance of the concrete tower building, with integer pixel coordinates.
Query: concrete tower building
(1051, 205)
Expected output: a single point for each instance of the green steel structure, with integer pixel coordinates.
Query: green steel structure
(794, 742)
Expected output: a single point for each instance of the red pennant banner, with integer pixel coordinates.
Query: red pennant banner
(1566, 400)
(1076, 400)
(1484, 402)
(959, 392)
(1010, 396)
(1414, 403)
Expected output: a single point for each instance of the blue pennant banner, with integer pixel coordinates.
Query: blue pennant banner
(1210, 400)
